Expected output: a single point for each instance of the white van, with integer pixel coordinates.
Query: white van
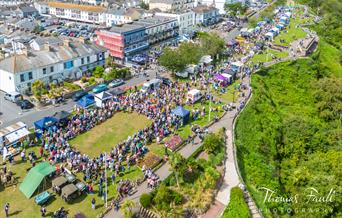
(151, 85)
(13, 96)
(194, 95)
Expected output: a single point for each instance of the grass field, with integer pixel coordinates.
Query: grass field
(266, 58)
(291, 33)
(230, 95)
(104, 136)
(20, 206)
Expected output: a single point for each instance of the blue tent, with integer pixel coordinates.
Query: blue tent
(86, 101)
(45, 123)
(181, 112)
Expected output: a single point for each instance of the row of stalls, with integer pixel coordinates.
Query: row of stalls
(99, 99)
(282, 20)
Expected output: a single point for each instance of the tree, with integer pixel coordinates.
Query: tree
(143, 5)
(98, 72)
(212, 142)
(127, 207)
(211, 44)
(172, 60)
(178, 165)
(235, 8)
(38, 89)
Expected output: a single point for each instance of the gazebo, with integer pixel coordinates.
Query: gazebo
(62, 116)
(182, 112)
(101, 98)
(87, 101)
(45, 123)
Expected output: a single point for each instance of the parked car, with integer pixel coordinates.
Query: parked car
(13, 96)
(116, 83)
(78, 95)
(100, 88)
(166, 81)
(25, 104)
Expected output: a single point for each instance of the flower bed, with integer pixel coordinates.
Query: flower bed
(150, 161)
(174, 142)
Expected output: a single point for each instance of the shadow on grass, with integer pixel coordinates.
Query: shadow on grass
(14, 213)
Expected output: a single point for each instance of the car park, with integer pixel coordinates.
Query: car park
(100, 88)
(116, 83)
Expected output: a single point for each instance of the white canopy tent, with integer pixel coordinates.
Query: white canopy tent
(228, 76)
(13, 133)
(101, 98)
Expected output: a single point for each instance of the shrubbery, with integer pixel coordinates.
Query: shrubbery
(146, 200)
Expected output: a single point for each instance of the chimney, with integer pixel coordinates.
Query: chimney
(47, 47)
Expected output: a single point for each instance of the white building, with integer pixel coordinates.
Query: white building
(186, 20)
(91, 2)
(77, 12)
(42, 7)
(206, 15)
(50, 63)
(171, 5)
(122, 16)
(13, 2)
(159, 28)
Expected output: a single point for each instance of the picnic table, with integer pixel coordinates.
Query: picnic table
(59, 181)
(70, 177)
(42, 198)
(80, 186)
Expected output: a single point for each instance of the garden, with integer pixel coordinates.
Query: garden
(191, 186)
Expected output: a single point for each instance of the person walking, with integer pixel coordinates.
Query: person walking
(7, 206)
(93, 203)
(43, 211)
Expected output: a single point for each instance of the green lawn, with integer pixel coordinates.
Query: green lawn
(104, 136)
(267, 56)
(230, 95)
(291, 33)
(20, 206)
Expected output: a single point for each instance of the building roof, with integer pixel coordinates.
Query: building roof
(203, 9)
(126, 28)
(162, 1)
(38, 59)
(90, 8)
(153, 21)
(27, 9)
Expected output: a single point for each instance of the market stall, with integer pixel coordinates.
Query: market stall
(10, 137)
(183, 113)
(86, 101)
(45, 123)
(101, 98)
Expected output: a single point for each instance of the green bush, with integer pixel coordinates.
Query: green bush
(146, 200)
(237, 207)
(71, 86)
(177, 198)
(91, 81)
(84, 79)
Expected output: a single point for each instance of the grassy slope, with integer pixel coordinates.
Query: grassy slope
(103, 137)
(281, 93)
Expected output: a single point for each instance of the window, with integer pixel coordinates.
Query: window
(68, 64)
(82, 61)
(44, 70)
(30, 75)
(88, 59)
(22, 79)
(51, 69)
